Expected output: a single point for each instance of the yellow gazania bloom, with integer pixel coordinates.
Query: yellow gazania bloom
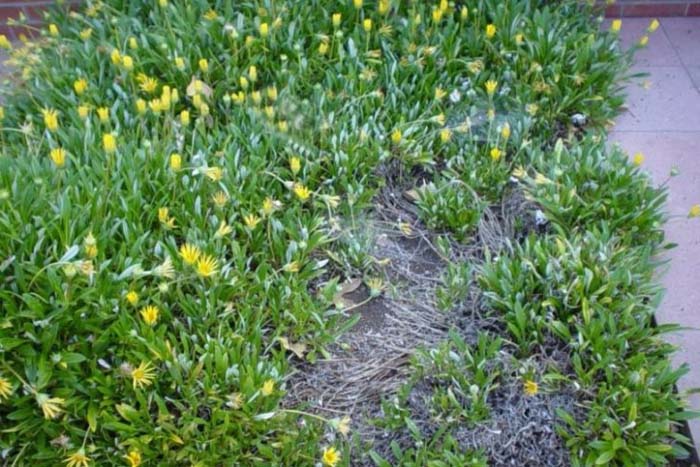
(491, 86)
(294, 266)
(335, 19)
(269, 112)
(638, 159)
(179, 63)
(440, 94)
(5, 388)
(437, 15)
(164, 217)
(185, 117)
(301, 191)
(264, 29)
(323, 48)
(616, 25)
(80, 85)
(367, 25)
(103, 114)
(109, 142)
(223, 230)
(271, 92)
(58, 157)
(268, 387)
(189, 253)
(251, 221)
(495, 154)
(78, 459)
(253, 73)
(146, 83)
(53, 30)
(143, 375)
(116, 57)
(519, 39)
(464, 13)
(238, 97)
(490, 31)
(256, 97)
(50, 119)
(214, 173)
(243, 81)
(357, 4)
(532, 109)
(133, 458)
(282, 126)
(90, 245)
(133, 43)
(83, 111)
(51, 406)
(694, 211)
(128, 63)
(163, 3)
(445, 135)
(207, 266)
(269, 205)
(141, 106)
(150, 314)
(383, 7)
(211, 15)
(530, 387)
(203, 65)
(505, 131)
(295, 165)
(654, 25)
(175, 161)
(330, 457)
(132, 297)
(4, 42)
(220, 198)
(644, 40)
(396, 136)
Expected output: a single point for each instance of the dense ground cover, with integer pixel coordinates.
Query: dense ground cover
(188, 190)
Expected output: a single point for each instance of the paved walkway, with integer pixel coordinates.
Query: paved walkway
(663, 122)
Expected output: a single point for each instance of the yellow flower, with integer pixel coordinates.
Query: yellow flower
(185, 117)
(490, 31)
(270, 205)
(256, 97)
(80, 85)
(437, 15)
(495, 154)
(616, 25)
(301, 191)
(357, 4)
(323, 48)
(268, 387)
(116, 57)
(150, 314)
(133, 458)
(644, 40)
(132, 297)
(165, 219)
(654, 25)
(58, 156)
(264, 29)
(505, 131)
(294, 266)
(383, 7)
(146, 83)
(83, 111)
(109, 142)
(445, 135)
(532, 109)
(295, 165)
(694, 211)
(53, 30)
(51, 406)
(207, 266)
(343, 425)
(367, 25)
(271, 92)
(214, 173)
(464, 13)
(78, 459)
(440, 94)
(211, 15)
(163, 3)
(396, 136)
(175, 161)
(638, 159)
(179, 63)
(530, 387)
(103, 114)
(5, 388)
(440, 119)
(336, 18)
(189, 253)
(519, 39)
(223, 230)
(253, 73)
(203, 65)
(330, 457)
(128, 63)
(50, 119)
(243, 81)
(133, 43)
(282, 126)
(220, 198)
(90, 245)
(4, 42)
(491, 86)
(251, 221)
(141, 106)
(143, 375)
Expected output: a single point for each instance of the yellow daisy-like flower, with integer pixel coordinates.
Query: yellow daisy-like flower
(530, 387)
(211, 15)
(330, 457)
(644, 40)
(5, 42)
(141, 106)
(220, 198)
(214, 173)
(323, 48)
(143, 375)
(268, 387)
(53, 30)
(133, 458)
(52, 407)
(357, 4)
(505, 131)
(146, 83)
(638, 159)
(133, 43)
(207, 266)
(83, 111)
(440, 94)
(616, 25)
(519, 39)
(86, 33)
(175, 161)
(78, 459)
(189, 253)
(654, 25)
(437, 15)
(223, 229)
(109, 142)
(295, 164)
(335, 19)
(445, 135)
(203, 65)
(694, 211)
(128, 63)
(185, 117)
(301, 192)
(292, 266)
(264, 29)
(396, 136)
(150, 314)
(58, 157)
(367, 25)
(495, 154)
(491, 86)
(383, 7)
(464, 13)
(50, 119)
(5, 388)
(253, 73)
(132, 297)
(116, 57)
(251, 221)
(490, 31)
(80, 85)
(103, 114)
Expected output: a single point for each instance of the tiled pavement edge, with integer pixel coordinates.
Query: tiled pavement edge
(663, 122)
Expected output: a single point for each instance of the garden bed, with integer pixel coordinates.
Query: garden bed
(339, 233)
